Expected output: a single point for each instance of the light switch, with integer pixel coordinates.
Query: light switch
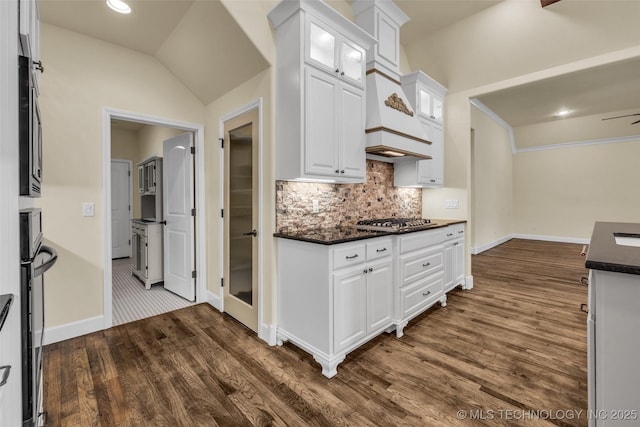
(87, 209)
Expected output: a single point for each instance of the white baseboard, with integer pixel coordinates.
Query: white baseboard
(578, 240)
(74, 329)
(214, 300)
(482, 248)
(268, 333)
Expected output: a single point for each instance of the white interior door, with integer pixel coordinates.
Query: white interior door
(178, 204)
(120, 209)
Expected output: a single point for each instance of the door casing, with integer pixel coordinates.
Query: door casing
(109, 114)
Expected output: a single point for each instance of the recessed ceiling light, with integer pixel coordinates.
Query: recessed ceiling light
(562, 113)
(119, 6)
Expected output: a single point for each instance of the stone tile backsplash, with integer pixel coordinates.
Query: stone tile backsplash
(344, 204)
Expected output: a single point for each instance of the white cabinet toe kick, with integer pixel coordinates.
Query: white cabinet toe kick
(334, 298)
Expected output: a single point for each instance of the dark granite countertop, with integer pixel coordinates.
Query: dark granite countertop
(332, 236)
(605, 254)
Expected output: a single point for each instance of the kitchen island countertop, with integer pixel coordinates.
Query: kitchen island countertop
(605, 254)
(336, 235)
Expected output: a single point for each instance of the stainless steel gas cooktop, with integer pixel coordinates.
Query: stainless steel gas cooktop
(394, 224)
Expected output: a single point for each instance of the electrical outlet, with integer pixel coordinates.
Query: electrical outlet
(87, 209)
(451, 204)
(316, 207)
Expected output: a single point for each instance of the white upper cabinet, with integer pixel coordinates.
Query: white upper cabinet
(426, 96)
(320, 94)
(332, 52)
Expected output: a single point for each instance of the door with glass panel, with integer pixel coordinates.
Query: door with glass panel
(241, 218)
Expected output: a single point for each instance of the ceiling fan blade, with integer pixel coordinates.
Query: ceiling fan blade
(619, 117)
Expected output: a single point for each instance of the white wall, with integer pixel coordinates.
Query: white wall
(83, 76)
(562, 192)
(491, 182)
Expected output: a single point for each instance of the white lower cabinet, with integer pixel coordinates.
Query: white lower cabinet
(147, 252)
(454, 257)
(334, 298)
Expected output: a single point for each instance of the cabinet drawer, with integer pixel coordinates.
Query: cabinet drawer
(420, 294)
(454, 231)
(349, 255)
(420, 265)
(420, 240)
(379, 249)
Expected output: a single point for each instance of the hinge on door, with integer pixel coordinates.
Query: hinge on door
(129, 242)
(129, 207)
(193, 274)
(221, 142)
(221, 213)
(128, 173)
(193, 150)
(222, 282)
(193, 212)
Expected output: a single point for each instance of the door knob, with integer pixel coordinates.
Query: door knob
(253, 233)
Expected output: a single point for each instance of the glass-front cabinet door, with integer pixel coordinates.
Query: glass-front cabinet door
(321, 46)
(352, 60)
(425, 103)
(437, 109)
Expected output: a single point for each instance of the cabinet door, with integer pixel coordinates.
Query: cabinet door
(437, 150)
(352, 59)
(379, 295)
(141, 179)
(424, 103)
(144, 256)
(449, 265)
(349, 307)
(321, 128)
(150, 175)
(436, 108)
(351, 121)
(321, 46)
(458, 261)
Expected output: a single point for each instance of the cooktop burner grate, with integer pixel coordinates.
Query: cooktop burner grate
(391, 224)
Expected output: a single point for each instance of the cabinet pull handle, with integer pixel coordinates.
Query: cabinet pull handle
(342, 171)
(433, 180)
(456, 243)
(342, 73)
(427, 294)
(381, 250)
(365, 271)
(5, 374)
(337, 70)
(426, 265)
(352, 257)
(449, 234)
(460, 232)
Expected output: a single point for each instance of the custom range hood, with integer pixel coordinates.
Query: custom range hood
(392, 127)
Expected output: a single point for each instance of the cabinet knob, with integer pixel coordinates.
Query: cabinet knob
(365, 271)
(337, 170)
(370, 269)
(342, 171)
(337, 70)
(342, 73)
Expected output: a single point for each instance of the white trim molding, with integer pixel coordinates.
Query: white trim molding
(72, 330)
(496, 118)
(559, 239)
(200, 231)
(214, 300)
(268, 333)
(479, 249)
(579, 143)
(515, 150)
(468, 283)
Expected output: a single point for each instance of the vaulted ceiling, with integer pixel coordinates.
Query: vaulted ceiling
(204, 47)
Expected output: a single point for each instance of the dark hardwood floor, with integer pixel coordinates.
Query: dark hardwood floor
(512, 348)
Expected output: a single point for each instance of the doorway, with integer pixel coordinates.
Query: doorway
(241, 177)
(126, 297)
